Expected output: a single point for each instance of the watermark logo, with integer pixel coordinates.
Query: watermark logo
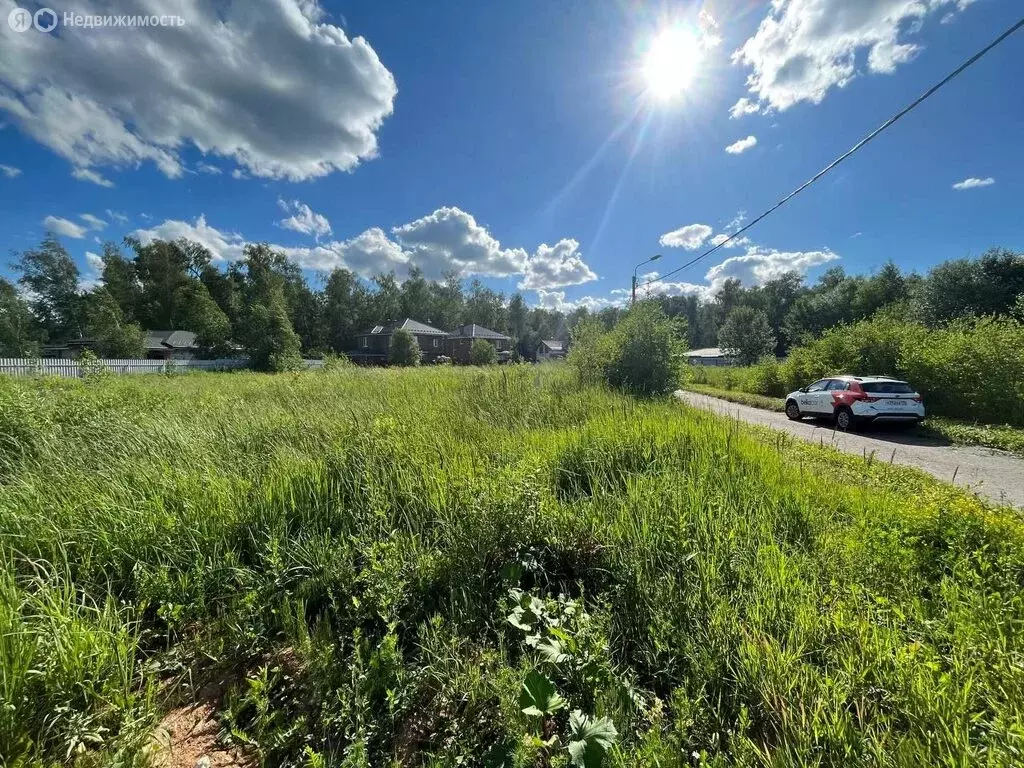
(19, 20)
(46, 20)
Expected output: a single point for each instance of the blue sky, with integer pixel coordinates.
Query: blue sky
(518, 142)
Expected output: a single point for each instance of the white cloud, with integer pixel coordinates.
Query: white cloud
(974, 183)
(450, 238)
(120, 218)
(668, 288)
(366, 254)
(212, 170)
(93, 222)
(756, 267)
(759, 266)
(804, 48)
(10, 171)
(742, 145)
(270, 85)
(224, 246)
(690, 237)
(64, 227)
(86, 174)
(737, 221)
(304, 219)
(743, 107)
(554, 266)
(93, 274)
(556, 300)
(739, 242)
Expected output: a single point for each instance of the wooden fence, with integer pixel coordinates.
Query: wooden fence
(72, 369)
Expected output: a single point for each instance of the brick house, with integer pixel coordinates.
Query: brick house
(460, 341)
(373, 345)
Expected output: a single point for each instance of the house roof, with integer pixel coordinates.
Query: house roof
(474, 331)
(408, 324)
(553, 344)
(170, 340)
(708, 352)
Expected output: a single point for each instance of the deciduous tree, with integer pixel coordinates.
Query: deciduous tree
(747, 335)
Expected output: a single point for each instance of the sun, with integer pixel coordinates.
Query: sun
(671, 63)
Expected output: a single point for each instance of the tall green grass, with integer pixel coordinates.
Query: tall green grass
(339, 549)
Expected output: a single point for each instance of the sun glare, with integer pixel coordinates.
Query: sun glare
(671, 63)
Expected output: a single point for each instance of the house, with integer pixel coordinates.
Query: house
(709, 356)
(170, 345)
(373, 346)
(459, 342)
(69, 350)
(550, 349)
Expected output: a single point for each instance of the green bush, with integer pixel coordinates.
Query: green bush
(642, 354)
(405, 350)
(482, 353)
(766, 378)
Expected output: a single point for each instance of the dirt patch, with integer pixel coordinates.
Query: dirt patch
(187, 736)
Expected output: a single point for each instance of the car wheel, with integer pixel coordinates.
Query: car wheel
(845, 420)
(793, 411)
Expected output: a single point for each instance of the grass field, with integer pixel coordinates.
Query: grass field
(466, 567)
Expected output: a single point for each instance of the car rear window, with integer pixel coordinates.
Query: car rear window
(887, 387)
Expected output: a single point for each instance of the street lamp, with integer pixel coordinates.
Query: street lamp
(655, 257)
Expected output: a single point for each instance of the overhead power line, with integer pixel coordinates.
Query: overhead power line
(887, 124)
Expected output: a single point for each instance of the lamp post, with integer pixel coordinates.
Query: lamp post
(655, 257)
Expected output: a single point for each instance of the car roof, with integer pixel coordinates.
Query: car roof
(869, 379)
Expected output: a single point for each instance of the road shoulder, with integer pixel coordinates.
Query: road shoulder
(992, 474)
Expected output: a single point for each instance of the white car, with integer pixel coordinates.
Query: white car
(853, 400)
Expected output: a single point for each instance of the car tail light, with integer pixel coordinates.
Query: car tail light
(918, 399)
(864, 398)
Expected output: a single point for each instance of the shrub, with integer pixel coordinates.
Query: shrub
(405, 350)
(482, 353)
(642, 355)
(766, 378)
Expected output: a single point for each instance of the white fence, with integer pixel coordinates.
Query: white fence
(72, 369)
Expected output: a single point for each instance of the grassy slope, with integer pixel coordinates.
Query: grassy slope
(957, 432)
(347, 543)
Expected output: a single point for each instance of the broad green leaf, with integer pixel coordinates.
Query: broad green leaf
(552, 651)
(538, 697)
(589, 739)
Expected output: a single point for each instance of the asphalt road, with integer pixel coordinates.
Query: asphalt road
(996, 475)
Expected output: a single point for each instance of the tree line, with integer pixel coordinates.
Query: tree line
(783, 313)
(262, 305)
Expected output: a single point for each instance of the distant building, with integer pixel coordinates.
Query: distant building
(709, 356)
(171, 345)
(69, 350)
(460, 341)
(550, 349)
(374, 345)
